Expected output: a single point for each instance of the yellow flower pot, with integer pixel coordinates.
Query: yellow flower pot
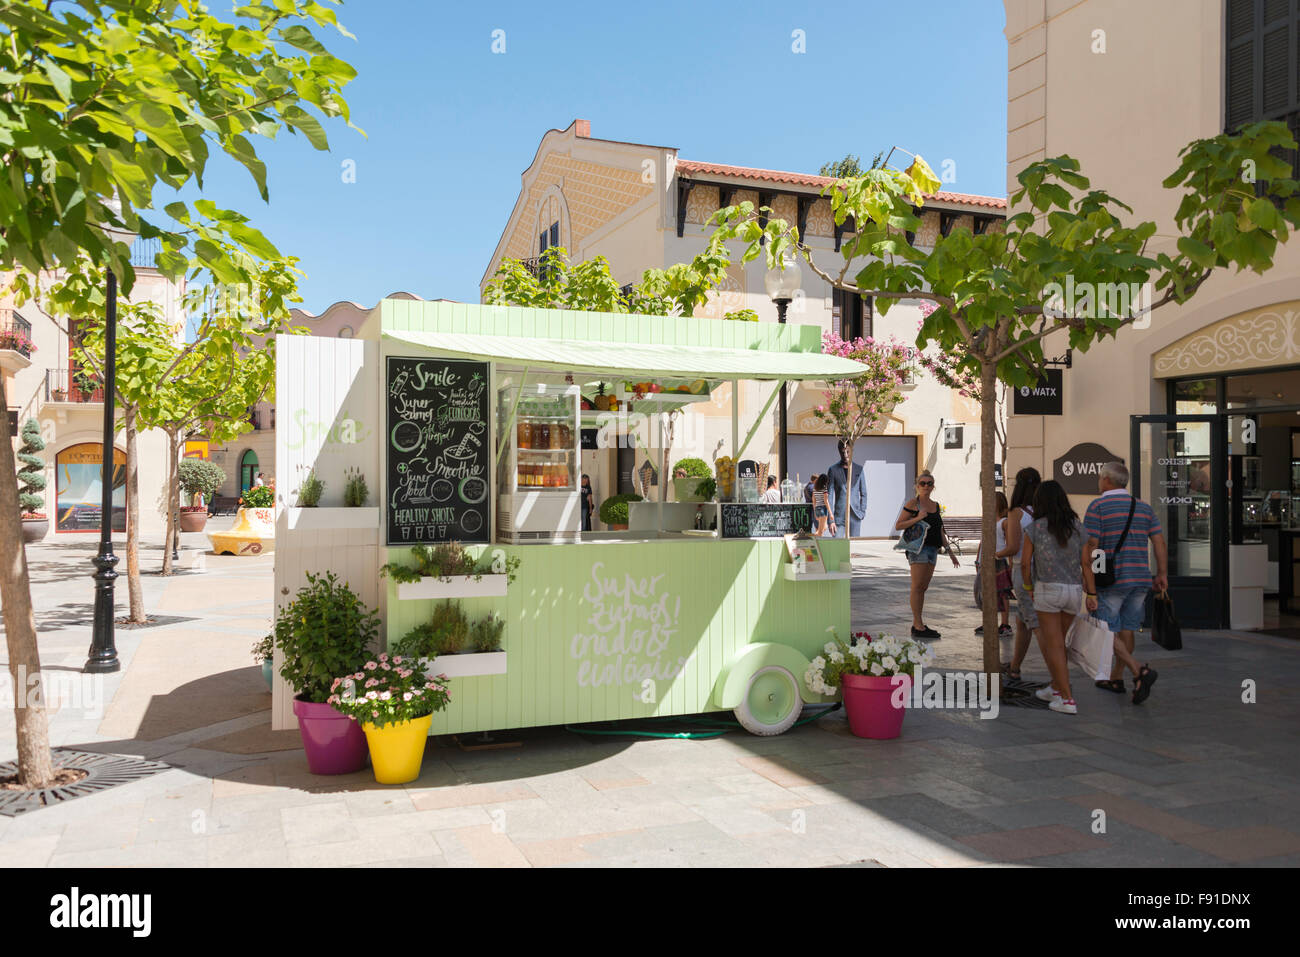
(397, 750)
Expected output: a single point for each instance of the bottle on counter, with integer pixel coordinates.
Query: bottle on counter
(699, 517)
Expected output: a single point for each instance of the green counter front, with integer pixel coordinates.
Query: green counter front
(606, 630)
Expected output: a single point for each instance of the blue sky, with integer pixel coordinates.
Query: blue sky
(451, 126)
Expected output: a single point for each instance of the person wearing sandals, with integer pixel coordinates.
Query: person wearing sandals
(923, 508)
(1017, 521)
(1002, 570)
(1051, 572)
(1127, 542)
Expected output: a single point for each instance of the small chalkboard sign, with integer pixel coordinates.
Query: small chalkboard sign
(438, 451)
(765, 521)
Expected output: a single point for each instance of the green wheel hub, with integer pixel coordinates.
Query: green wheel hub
(771, 697)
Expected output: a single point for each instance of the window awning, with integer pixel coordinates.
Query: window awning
(634, 358)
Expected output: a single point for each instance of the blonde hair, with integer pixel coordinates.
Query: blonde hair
(925, 473)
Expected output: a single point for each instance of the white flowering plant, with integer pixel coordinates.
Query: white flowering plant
(389, 691)
(882, 656)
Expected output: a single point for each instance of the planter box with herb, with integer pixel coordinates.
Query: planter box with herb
(451, 646)
(449, 571)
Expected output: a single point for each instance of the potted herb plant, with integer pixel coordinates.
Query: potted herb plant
(869, 670)
(264, 655)
(199, 479)
(31, 482)
(310, 490)
(449, 644)
(688, 474)
(613, 511)
(324, 632)
(355, 490)
(393, 701)
(448, 570)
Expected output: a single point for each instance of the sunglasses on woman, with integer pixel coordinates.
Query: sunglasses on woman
(925, 484)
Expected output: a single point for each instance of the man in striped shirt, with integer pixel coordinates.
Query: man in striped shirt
(1122, 605)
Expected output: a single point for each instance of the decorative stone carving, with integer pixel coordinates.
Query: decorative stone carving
(1266, 337)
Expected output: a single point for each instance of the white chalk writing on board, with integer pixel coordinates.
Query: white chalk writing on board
(630, 625)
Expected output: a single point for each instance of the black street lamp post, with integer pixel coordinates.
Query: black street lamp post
(103, 650)
(782, 283)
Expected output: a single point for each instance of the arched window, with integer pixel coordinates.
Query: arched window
(247, 470)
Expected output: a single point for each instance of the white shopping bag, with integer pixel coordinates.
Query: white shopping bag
(1091, 646)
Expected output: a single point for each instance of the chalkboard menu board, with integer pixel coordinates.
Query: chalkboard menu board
(438, 452)
(765, 521)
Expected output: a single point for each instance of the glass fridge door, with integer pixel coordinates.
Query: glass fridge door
(545, 440)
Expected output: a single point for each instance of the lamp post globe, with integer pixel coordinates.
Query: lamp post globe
(782, 285)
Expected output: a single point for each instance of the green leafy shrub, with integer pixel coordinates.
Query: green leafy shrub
(486, 633)
(31, 474)
(324, 632)
(355, 492)
(259, 496)
(446, 633)
(310, 491)
(613, 511)
(692, 468)
(448, 560)
(707, 488)
(200, 477)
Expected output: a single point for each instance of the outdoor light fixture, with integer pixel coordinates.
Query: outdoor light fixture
(782, 284)
(102, 657)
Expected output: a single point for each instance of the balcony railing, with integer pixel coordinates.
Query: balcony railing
(16, 333)
(68, 385)
(144, 252)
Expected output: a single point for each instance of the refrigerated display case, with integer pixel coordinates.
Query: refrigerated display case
(538, 479)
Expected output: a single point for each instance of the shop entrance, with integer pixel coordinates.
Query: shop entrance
(1178, 466)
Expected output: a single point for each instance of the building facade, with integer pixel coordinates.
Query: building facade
(644, 207)
(1202, 402)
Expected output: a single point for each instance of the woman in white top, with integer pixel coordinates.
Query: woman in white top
(1020, 518)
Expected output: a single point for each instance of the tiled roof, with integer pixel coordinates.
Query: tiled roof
(807, 179)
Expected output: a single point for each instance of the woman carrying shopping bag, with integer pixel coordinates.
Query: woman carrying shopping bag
(1052, 574)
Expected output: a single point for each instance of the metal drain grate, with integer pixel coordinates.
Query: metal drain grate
(103, 771)
(1020, 694)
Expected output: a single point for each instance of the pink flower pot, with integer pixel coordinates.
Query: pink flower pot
(335, 744)
(869, 701)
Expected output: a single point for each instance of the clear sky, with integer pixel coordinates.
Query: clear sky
(451, 125)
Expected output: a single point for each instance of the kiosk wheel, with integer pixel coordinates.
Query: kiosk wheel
(772, 703)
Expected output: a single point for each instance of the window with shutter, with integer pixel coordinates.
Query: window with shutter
(1261, 61)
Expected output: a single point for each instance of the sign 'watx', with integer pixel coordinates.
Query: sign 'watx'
(1078, 469)
(1044, 397)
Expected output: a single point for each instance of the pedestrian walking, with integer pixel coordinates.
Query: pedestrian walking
(825, 522)
(1001, 569)
(1125, 529)
(1019, 519)
(1052, 574)
(923, 508)
(259, 481)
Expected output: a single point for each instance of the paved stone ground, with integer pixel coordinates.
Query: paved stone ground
(1194, 777)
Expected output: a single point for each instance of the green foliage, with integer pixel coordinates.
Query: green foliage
(31, 471)
(707, 488)
(259, 496)
(450, 559)
(446, 633)
(742, 315)
(117, 99)
(200, 477)
(486, 633)
(691, 467)
(388, 691)
(355, 491)
(323, 633)
(264, 649)
(848, 167)
(310, 490)
(613, 511)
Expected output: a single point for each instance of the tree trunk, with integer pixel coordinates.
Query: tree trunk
(35, 762)
(133, 586)
(988, 524)
(172, 495)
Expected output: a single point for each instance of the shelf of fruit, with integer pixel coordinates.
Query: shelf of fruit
(631, 394)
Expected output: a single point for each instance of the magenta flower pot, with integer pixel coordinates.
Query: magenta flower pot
(335, 744)
(870, 703)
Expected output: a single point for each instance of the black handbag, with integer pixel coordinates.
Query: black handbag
(1106, 577)
(1165, 630)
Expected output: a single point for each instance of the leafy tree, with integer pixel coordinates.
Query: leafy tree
(31, 477)
(998, 294)
(103, 102)
(200, 477)
(848, 167)
(853, 407)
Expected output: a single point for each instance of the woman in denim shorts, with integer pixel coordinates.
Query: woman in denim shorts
(1052, 573)
(924, 508)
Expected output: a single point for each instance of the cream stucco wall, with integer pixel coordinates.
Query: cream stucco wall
(1125, 114)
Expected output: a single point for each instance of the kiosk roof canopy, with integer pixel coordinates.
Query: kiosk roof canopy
(632, 358)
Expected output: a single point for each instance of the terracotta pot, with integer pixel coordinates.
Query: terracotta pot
(870, 703)
(618, 528)
(34, 529)
(193, 521)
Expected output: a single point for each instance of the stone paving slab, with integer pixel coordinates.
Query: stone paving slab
(1195, 777)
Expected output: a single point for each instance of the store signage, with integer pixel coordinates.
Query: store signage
(1077, 470)
(764, 521)
(438, 452)
(1043, 398)
(589, 438)
(13, 423)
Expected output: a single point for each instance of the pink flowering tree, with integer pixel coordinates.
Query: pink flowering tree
(854, 406)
